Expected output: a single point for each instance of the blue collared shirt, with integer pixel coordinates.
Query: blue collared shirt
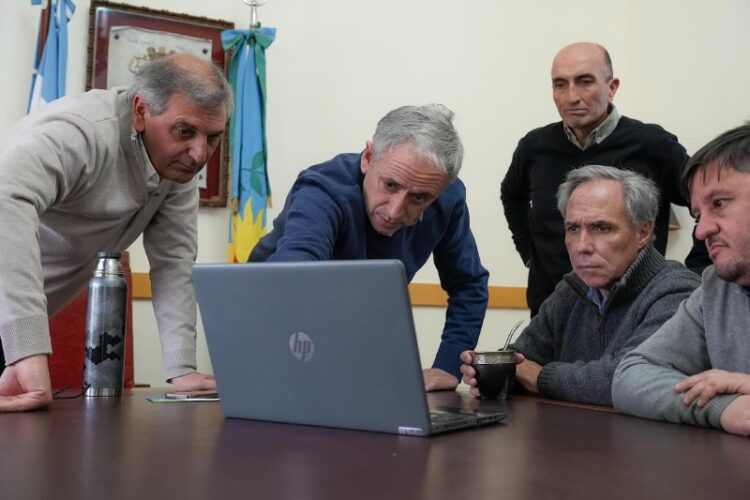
(596, 297)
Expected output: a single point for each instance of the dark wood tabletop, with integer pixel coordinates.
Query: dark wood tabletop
(130, 448)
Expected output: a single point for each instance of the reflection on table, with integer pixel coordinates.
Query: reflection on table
(130, 448)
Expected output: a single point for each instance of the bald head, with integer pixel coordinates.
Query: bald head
(585, 51)
(583, 87)
(198, 80)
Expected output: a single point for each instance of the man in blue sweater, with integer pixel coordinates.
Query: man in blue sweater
(398, 199)
(592, 132)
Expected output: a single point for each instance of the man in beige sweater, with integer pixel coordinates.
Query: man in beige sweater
(92, 172)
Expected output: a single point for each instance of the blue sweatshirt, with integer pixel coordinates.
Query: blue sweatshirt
(324, 218)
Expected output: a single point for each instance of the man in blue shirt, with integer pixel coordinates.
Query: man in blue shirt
(398, 199)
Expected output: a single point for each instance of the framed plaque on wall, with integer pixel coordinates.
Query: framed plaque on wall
(122, 38)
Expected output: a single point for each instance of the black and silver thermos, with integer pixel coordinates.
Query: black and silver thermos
(104, 357)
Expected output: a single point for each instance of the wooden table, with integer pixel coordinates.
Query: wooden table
(130, 448)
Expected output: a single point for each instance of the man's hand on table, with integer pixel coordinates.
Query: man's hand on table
(702, 387)
(527, 374)
(436, 379)
(25, 385)
(194, 381)
(735, 418)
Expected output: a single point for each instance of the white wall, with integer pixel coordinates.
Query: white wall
(338, 65)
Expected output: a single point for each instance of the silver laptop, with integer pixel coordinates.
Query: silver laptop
(319, 343)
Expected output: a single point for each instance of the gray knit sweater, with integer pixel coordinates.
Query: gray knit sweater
(579, 347)
(72, 183)
(710, 330)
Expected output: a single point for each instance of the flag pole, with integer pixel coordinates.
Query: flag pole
(254, 4)
(44, 19)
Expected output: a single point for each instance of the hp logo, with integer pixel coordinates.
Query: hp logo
(302, 346)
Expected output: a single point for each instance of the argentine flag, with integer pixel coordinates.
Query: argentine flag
(48, 78)
(250, 192)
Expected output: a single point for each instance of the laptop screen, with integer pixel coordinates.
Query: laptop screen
(321, 343)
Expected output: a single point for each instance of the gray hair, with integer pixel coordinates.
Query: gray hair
(729, 150)
(428, 128)
(200, 81)
(641, 195)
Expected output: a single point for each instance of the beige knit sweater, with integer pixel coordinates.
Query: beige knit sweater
(73, 183)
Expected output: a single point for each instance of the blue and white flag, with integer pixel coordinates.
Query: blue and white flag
(250, 192)
(48, 78)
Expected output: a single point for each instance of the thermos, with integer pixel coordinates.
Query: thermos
(105, 328)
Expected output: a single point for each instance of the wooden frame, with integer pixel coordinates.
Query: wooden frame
(139, 28)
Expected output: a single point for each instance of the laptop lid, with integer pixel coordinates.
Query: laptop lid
(319, 343)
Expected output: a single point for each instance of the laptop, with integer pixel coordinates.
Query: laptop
(320, 343)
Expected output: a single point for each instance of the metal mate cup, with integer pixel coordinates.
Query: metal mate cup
(495, 373)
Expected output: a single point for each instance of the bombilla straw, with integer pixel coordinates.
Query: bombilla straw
(510, 335)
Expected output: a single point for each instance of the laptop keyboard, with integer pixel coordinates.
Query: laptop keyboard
(442, 420)
(441, 417)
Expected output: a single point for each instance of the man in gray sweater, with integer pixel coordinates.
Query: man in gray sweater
(621, 289)
(92, 172)
(696, 368)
